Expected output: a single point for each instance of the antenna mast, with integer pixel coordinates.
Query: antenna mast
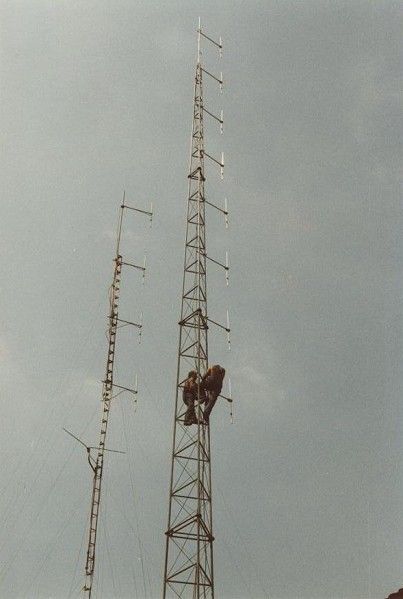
(189, 568)
(96, 454)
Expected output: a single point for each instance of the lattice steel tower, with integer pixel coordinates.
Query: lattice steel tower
(189, 538)
(110, 391)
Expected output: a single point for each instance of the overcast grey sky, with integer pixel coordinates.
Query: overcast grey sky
(308, 481)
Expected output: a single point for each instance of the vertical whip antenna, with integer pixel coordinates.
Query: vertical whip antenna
(231, 402)
(189, 570)
(96, 459)
(120, 223)
(228, 329)
(140, 326)
(198, 42)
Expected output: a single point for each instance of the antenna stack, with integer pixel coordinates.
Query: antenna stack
(189, 571)
(110, 391)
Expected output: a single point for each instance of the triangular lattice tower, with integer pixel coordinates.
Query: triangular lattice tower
(189, 538)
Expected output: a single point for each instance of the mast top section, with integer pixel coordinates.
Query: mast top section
(201, 34)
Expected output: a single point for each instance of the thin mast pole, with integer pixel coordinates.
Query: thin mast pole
(119, 235)
(198, 42)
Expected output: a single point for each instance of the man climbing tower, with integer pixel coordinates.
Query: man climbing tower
(190, 391)
(212, 383)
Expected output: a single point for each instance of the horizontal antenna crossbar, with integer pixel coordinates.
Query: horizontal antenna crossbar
(88, 447)
(124, 388)
(215, 261)
(218, 324)
(220, 81)
(214, 159)
(227, 398)
(137, 209)
(134, 266)
(134, 324)
(220, 120)
(105, 449)
(216, 207)
(218, 44)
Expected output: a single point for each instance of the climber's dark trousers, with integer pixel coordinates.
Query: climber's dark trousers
(211, 399)
(190, 415)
